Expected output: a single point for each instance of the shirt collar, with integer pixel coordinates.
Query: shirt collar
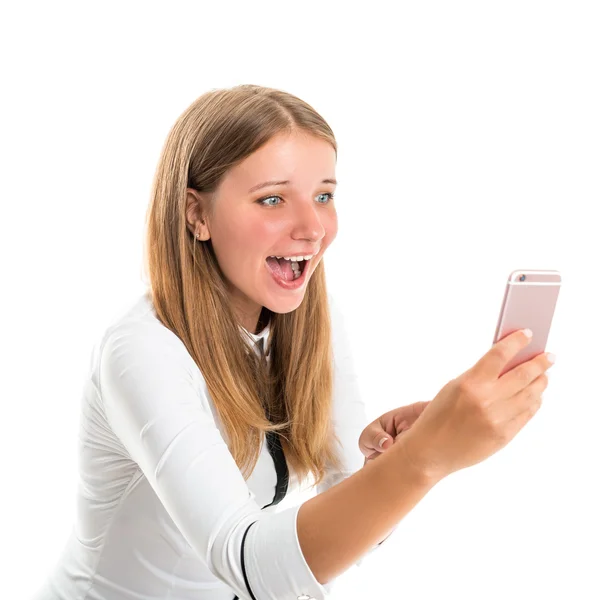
(261, 339)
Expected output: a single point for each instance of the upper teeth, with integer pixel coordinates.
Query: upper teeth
(296, 258)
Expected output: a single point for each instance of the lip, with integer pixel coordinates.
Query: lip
(311, 253)
(295, 283)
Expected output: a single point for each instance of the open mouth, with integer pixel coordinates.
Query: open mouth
(288, 270)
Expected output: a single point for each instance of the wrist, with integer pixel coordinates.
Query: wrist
(415, 461)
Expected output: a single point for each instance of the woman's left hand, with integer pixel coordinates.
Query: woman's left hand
(388, 427)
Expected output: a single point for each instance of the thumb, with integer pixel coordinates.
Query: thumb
(382, 441)
(374, 440)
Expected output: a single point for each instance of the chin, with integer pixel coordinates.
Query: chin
(284, 306)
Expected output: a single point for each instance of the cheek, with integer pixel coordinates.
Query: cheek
(331, 228)
(241, 242)
(226, 239)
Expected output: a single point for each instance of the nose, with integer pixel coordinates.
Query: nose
(308, 223)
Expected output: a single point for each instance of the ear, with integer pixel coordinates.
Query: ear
(195, 211)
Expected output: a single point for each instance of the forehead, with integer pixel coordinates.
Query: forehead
(299, 157)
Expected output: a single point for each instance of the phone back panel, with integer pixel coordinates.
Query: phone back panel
(528, 303)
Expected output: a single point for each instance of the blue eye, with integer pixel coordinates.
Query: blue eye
(263, 200)
(327, 194)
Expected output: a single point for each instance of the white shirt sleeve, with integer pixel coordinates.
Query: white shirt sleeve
(349, 410)
(154, 402)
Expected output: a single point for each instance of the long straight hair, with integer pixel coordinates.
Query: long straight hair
(188, 289)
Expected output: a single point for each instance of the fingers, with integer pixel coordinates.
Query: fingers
(526, 403)
(417, 408)
(491, 364)
(517, 379)
(404, 425)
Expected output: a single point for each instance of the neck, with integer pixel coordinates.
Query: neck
(263, 320)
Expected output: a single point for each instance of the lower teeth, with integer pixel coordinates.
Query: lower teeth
(296, 270)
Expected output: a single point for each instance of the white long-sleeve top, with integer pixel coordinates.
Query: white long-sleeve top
(163, 510)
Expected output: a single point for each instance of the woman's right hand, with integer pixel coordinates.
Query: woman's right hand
(478, 413)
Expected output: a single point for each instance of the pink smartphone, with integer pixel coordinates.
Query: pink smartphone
(529, 301)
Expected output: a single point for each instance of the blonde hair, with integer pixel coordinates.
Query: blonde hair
(217, 131)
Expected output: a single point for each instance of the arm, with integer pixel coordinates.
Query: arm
(349, 416)
(155, 401)
(342, 524)
(385, 538)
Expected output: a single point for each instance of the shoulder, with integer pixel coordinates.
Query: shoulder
(138, 334)
(142, 366)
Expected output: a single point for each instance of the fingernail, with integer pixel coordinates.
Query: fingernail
(382, 441)
(551, 357)
(528, 332)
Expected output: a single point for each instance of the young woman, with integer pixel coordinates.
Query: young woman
(229, 382)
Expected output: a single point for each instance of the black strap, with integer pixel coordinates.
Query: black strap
(243, 563)
(276, 452)
(281, 468)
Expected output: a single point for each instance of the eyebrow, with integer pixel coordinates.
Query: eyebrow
(285, 182)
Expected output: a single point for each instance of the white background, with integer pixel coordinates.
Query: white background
(469, 146)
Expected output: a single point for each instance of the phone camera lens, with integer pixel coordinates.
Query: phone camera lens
(522, 278)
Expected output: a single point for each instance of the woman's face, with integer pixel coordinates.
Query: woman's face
(296, 218)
